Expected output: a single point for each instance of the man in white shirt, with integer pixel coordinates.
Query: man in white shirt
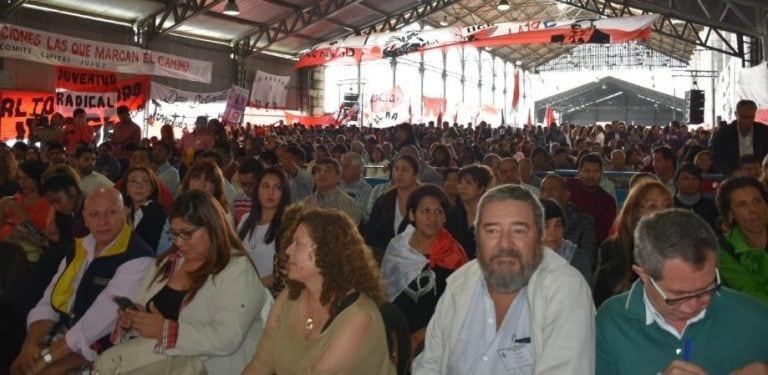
(77, 303)
(519, 308)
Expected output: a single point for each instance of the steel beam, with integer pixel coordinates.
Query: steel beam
(260, 38)
(683, 19)
(9, 6)
(177, 12)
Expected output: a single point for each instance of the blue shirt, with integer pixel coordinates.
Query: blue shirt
(482, 349)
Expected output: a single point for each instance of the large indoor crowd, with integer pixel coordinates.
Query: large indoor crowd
(419, 248)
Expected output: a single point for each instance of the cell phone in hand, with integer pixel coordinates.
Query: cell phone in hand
(125, 303)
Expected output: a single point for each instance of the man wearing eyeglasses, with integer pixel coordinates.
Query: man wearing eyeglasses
(677, 318)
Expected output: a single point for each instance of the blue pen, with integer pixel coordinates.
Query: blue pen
(687, 349)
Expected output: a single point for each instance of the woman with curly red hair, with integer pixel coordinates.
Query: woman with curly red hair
(327, 320)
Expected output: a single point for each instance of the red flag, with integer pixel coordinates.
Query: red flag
(529, 123)
(516, 91)
(549, 117)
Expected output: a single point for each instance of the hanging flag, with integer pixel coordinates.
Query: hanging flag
(433, 106)
(269, 90)
(516, 91)
(549, 116)
(529, 123)
(355, 49)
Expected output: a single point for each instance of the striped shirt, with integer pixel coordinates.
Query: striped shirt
(335, 198)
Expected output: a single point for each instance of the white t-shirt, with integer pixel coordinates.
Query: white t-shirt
(262, 254)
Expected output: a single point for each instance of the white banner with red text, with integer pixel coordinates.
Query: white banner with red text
(49, 48)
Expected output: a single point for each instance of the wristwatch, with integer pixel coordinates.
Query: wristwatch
(47, 356)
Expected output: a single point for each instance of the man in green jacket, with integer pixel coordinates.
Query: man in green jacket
(677, 318)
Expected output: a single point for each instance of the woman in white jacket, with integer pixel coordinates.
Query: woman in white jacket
(204, 298)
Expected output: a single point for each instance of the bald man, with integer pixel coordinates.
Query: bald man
(508, 170)
(110, 261)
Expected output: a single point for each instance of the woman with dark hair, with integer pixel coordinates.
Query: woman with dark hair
(28, 205)
(147, 216)
(554, 231)
(425, 250)
(614, 273)
(389, 209)
(406, 135)
(742, 204)
(206, 176)
(328, 320)
(378, 165)
(474, 181)
(541, 160)
(261, 228)
(203, 300)
(441, 158)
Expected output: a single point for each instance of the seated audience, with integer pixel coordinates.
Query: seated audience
(261, 229)
(328, 320)
(145, 214)
(743, 207)
(389, 209)
(419, 260)
(688, 195)
(519, 305)
(613, 273)
(71, 322)
(555, 223)
(676, 318)
(201, 299)
(474, 181)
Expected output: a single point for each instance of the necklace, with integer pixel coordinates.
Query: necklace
(308, 325)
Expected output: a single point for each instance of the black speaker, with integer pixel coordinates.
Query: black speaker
(694, 107)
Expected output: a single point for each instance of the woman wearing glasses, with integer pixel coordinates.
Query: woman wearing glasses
(203, 301)
(614, 273)
(743, 208)
(146, 216)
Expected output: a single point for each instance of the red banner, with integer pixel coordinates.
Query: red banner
(291, 118)
(355, 49)
(99, 93)
(433, 106)
(17, 106)
(516, 91)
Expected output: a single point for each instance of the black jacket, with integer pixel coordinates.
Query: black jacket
(725, 146)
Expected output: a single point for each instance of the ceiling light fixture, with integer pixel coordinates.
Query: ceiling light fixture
(503, 5)
(231, 9)
(444, 22)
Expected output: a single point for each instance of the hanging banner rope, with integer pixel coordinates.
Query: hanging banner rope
(355, 49)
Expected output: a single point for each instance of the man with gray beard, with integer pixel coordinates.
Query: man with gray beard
(519, 308)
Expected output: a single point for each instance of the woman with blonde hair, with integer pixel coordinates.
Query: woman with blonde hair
(327, 320)
(614, 273)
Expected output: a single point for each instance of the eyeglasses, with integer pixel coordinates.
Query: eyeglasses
(139, 183)
(184, 235)
(684, 299)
